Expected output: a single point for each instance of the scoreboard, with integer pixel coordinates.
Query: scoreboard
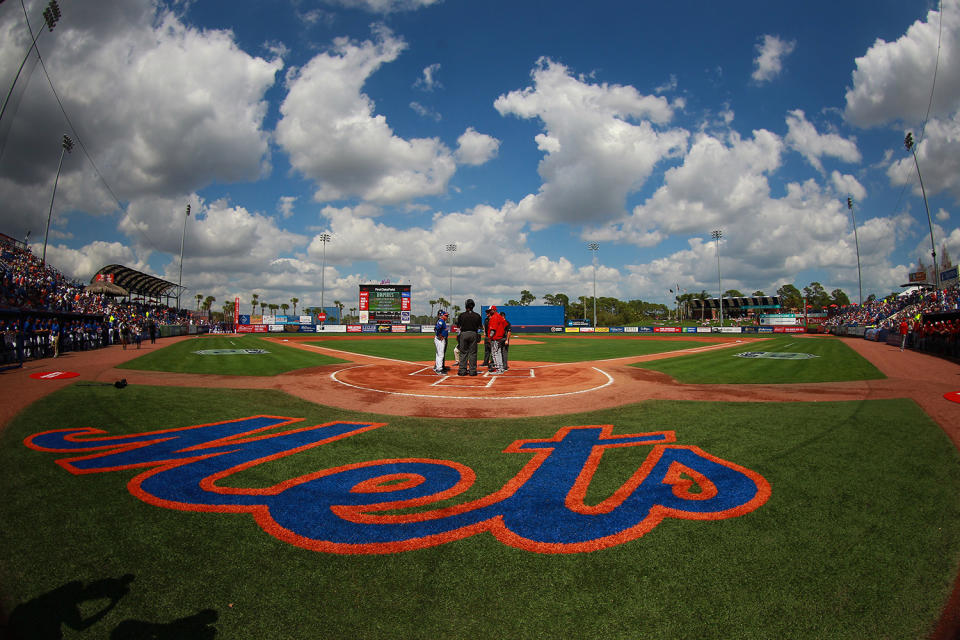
(384, 304)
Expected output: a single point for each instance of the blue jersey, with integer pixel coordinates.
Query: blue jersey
(441, 330)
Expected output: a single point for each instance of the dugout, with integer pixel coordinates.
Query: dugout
(529, 319)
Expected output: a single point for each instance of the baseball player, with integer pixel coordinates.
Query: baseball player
(440, 333)
(495, 333)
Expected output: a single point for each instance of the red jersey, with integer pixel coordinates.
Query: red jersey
(496, 326)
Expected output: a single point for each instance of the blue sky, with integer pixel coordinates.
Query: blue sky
(520, 131)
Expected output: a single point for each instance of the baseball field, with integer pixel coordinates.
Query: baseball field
(336, 487)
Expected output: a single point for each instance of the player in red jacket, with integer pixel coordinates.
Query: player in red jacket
(495, 333)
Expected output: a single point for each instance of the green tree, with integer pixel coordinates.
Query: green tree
(208, 302)
(839, 298)
(294, 301)
(790, 297)
(273, 308)
(433, 303)
(443, 302)
(284, 307)
(732, 293)
(253, 303)
(199, 297)
(526, 298)
(339, 306)
(816, 296)
(758, 293)
(263, 306)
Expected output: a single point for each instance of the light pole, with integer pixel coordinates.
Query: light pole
(180, 277)
(324, 238)
(66, 146)
(451, 248)
(594, 247)
(857, 240)
(51, 16)
(716, 234)
(908, 143)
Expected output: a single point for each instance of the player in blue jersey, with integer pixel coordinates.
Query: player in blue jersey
(440, 332)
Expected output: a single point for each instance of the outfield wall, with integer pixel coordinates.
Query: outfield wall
(428, 328)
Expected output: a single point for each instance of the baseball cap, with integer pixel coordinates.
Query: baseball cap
(441, 313)
(492, 308)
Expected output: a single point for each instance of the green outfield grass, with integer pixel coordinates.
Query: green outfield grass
(549, 349)
(181, 357)
(834, 362)
(859, 539)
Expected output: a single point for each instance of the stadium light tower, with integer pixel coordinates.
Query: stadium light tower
(908, 143)
(182, 236)
(324, 238)
(66, 146)
(51, 16)
(594, 247)
(857, 241)
(451, 248)
(716, 234)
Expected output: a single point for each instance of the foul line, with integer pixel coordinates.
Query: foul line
(333, 376)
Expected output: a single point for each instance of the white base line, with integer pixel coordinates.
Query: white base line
(333, 376)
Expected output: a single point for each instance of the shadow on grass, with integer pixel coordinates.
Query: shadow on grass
(80, 606)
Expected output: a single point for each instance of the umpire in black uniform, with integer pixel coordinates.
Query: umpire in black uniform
(470, 326)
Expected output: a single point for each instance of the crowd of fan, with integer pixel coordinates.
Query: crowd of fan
(47, 313)
(887, 312)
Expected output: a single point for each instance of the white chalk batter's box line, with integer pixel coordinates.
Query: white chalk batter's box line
(453, 380)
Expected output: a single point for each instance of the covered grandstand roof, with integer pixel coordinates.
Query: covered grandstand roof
(749, 302)
(136, 281)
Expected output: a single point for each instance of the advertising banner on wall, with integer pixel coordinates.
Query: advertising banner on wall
(251, 328)
(666, 329)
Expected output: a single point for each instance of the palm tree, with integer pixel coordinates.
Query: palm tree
(432, 304)
(339, 306)
(263, 307)
(284, 306)
(443, 302)
(199, 297)
(294, 301)
(253, 303)
(703, 296)
(273, 308)
(353, 310)
(208, 302)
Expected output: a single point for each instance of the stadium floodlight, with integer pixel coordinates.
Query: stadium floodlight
(594, 247)
(716, 234)
(857, 241)
(51, 16)
(908, 143)
(451, 248)
(66, 146)
(183, 235)
(324, 238)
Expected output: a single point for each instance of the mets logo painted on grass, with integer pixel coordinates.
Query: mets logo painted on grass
(358, 508)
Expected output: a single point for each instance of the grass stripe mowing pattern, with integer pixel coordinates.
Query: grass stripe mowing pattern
(835, 362)
(860, 538)
(181, 357)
